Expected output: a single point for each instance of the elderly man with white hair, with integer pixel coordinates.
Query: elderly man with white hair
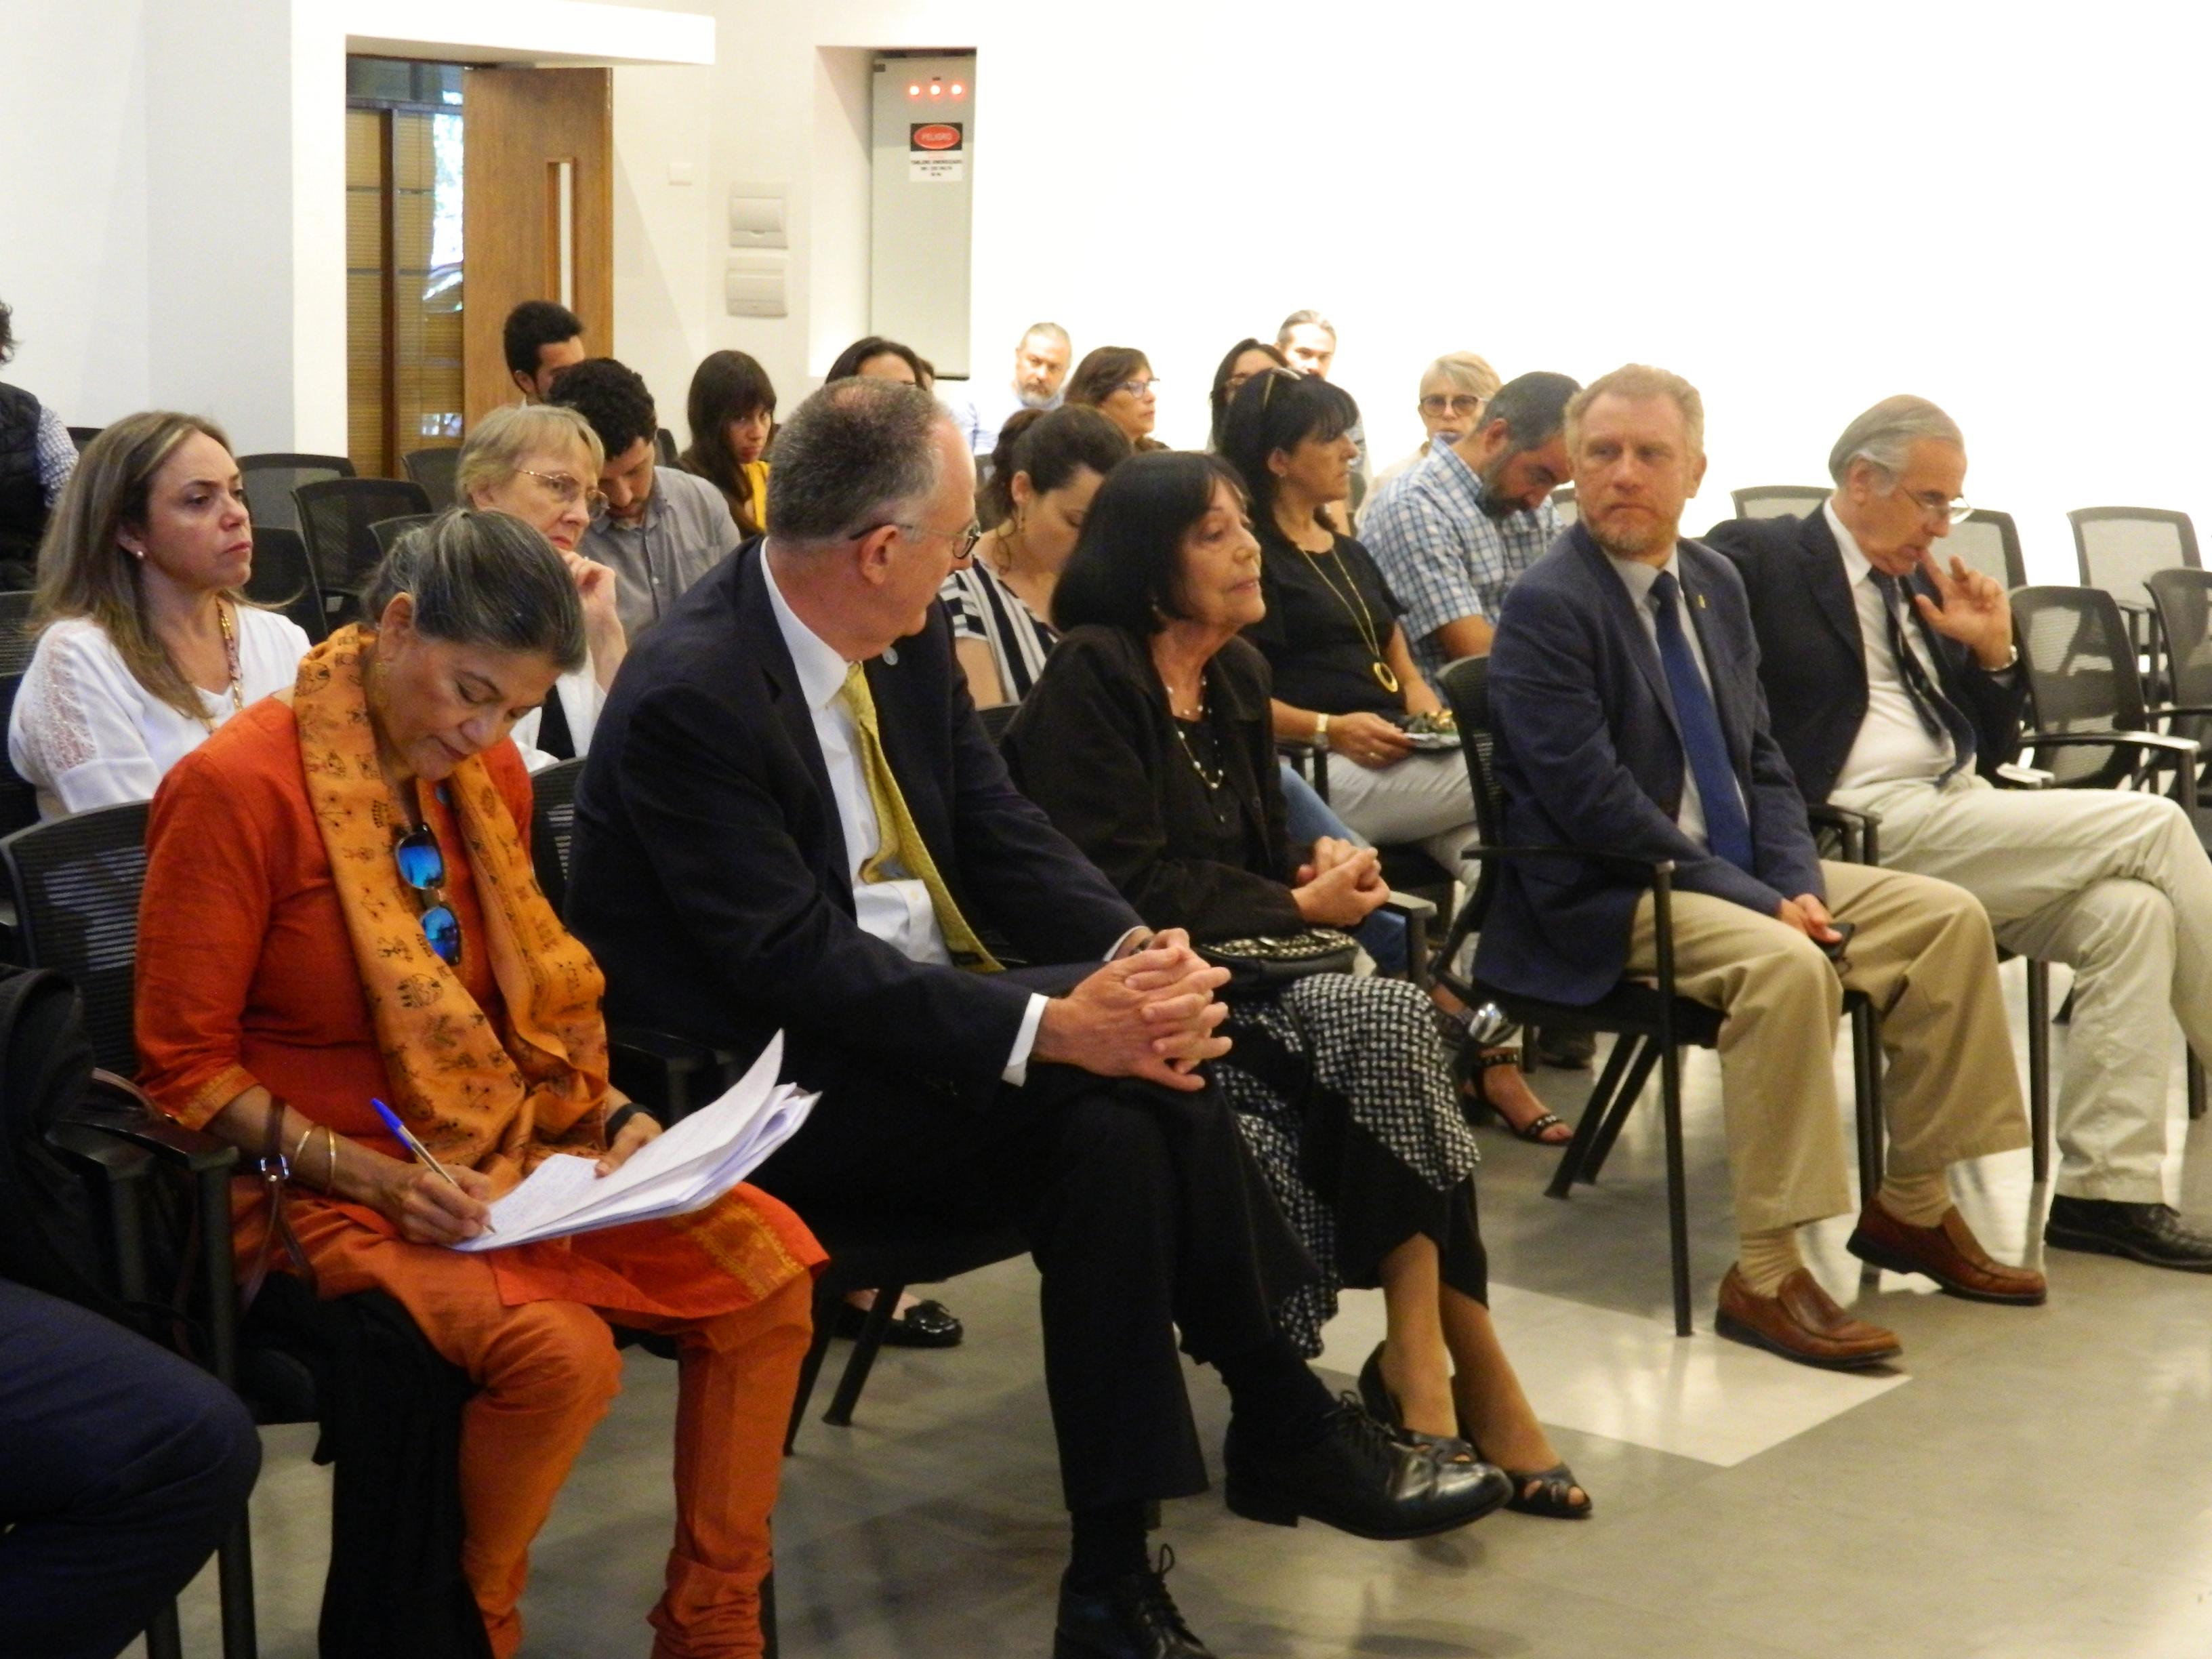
(1892, 680)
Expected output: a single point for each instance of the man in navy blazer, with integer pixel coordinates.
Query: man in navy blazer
(743, 866)
(1629, 719)
(2115, 885)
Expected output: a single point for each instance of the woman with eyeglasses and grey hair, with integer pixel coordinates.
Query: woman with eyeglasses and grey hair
(538, 463)
(339, 910)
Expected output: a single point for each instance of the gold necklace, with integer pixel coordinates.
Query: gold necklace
(1355, 606)
(230, 662)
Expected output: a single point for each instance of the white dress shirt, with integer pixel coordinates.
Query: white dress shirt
(898, 911)
(1639, 578)
(1892, 746)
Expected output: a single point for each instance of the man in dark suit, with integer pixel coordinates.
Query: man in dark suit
(1625, 693)
(1894, 689)
(791, 818)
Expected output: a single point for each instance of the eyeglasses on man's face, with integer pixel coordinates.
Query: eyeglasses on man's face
(1439, 403)
(1935, 508)
(568, 491)
(963, 541)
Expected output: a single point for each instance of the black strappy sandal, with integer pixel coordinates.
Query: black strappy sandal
(1467, 1068)
(1549, 1494)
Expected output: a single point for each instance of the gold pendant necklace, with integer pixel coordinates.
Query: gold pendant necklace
(1361, 618)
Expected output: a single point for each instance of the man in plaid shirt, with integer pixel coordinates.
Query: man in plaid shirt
(1453, 533)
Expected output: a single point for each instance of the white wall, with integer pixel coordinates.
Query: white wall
(1800, 210)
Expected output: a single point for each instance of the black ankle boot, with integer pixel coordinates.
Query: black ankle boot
(1134, 1617)
(1359, 1480)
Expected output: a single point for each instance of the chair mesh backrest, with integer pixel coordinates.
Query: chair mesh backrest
(338, 516)
(664, 444)
(996, 718)
(17, 645)
(2184, 601)
(270, 481)
(553, 826)
(2119, 547)
(433, 469)
(76, 883)
(19, 801)
(282, 580)
(1564, 504)
(388, 532)
(1990, 543)
(82, 436)
(2080, 668)
(1778, 501)
(1465, 686)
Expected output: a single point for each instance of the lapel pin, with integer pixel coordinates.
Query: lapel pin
(890, 656)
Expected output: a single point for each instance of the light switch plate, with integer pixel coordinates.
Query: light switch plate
(754, 286)
(758, 214)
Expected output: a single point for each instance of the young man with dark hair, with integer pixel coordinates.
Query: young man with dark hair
(658, 528)
(540, 338)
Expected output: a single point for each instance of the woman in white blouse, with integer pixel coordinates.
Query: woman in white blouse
(540, 463)
(145, 646)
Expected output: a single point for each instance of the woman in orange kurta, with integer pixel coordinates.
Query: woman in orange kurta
(293, 965)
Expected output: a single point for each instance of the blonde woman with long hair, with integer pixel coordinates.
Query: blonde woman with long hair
(146, 644)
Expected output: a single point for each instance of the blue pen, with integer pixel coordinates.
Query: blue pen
(405, 1137)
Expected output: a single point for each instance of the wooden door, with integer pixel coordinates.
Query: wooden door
(538, 205)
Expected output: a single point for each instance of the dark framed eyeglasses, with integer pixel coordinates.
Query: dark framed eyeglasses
(1439, 403)
(963, 541)
(421, 864)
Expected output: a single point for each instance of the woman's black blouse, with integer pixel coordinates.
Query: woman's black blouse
(1312, 637)
(1096, 747)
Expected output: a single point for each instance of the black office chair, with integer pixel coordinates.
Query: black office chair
(270, 479)
(1780, 501)
(2094, 728)
(2117, 549)
(82, 436)
(2183, 602)
(19, 800)
(283, 580)
(18, 645)
(1988, 542)
(1564, 504)
(389, 533)
(1651, 1023)
(433, 469)
(663, 446)
(996, 718)
(337, 517)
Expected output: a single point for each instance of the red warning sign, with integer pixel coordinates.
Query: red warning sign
(935, 135)
(936, 152)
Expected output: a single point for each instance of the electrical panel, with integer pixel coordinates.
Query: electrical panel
(922, 156)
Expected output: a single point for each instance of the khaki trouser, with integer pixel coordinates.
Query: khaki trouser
(1925, 954)
(2114, 884)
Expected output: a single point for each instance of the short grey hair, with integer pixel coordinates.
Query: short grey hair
(484, 579)
(1299, 319)
(1468, 372)
(857, 453)
(1885, 435)
(1050, 331)
(503, 440)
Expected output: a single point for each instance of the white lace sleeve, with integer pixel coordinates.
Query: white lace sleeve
(79, 731)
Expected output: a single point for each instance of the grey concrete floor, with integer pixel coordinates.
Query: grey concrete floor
(2028, 1484)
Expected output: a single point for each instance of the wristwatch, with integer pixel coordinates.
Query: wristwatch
(1321, 733)
(2011, 662)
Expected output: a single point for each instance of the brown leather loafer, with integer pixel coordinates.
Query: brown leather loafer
(1802, 1321)
(1948, 1253)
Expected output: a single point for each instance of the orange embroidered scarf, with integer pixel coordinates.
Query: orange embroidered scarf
(498, 1101)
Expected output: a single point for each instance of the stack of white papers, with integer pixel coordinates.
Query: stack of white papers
(687, 1168)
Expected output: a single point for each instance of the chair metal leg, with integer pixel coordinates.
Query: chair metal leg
(1625, 1049)
(163, 1639)
(769, 1647)
(1678, 1194)
(2196, 1089)
(234, 1564)
(1632, 1090)
(2039, 1066)
(1866, 1078)
(871, 1342)
(826, 1298)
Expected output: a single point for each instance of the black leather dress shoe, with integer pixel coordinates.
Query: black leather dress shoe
(2151, 1233)
(924, 1325)
(1133, 1618)
(1359, 1480)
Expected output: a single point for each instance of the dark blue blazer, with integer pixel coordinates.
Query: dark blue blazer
(1813, 660)
(1589, 755)
(709, 873)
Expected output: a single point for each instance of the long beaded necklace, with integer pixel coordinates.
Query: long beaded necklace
(1355, 606)
(230, 662)
(1213, 779)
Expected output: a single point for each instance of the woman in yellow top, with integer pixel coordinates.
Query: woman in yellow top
(731, 409)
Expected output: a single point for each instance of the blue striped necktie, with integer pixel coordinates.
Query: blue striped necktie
(1728, 831)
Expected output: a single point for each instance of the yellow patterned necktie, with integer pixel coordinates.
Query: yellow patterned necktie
(898, 839)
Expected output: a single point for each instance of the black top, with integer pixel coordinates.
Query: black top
(1312, 638)
(1096, 747)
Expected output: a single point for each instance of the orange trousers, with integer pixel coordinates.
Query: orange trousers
(545, 1373)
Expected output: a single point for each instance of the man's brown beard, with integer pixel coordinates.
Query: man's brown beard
(1663, 535)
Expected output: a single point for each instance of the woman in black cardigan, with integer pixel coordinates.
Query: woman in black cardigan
(1148, 741)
